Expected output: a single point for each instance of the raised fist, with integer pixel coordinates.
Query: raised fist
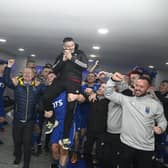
(11, 62)
(88, 91)
(117, 76)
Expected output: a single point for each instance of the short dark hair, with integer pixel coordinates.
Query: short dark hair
(164, 81)
(66, 39)
(146, 78)
(52, 72)
(49, 66)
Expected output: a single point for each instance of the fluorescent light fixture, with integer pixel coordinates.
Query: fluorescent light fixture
(3, 40)
(96, 47)
(93, 56)
(103, 31)
(151, 66)
(33, 55)
(21, 49)
(90, 60)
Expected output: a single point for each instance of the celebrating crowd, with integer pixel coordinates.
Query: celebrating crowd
(109, 120)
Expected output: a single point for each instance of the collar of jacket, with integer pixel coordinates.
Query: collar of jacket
(21, 82)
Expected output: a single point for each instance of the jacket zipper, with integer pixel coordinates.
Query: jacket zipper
(27, 101)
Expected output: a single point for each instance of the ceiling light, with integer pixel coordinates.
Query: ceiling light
(103, 31)
(151, 66)
(90, 60)
(96, 47)
(21, 49)
(3, 40)
(166, 63)
(93, 56)
(33, 55)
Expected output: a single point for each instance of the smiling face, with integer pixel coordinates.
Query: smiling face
(50, 78)
(163, 88)
(101, 90)
(91, 78)
(28, 74)
(140, 87)
(45, 72)
(69, 45)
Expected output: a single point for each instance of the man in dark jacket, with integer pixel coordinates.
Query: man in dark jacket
(26, 92)
(2, 88)
(162, 94)
(97, 122)
(69, 65)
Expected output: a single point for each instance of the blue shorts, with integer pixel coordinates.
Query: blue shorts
(57, 133)
(83, 114)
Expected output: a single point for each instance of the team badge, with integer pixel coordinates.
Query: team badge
(147, 109)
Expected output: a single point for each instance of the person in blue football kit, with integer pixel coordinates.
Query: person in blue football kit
(2, 88)
(60, 109)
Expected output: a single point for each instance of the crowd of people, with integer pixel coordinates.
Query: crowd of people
(108, 119)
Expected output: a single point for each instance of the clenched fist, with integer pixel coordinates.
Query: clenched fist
(11, 62)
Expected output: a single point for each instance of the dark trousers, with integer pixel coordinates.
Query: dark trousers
(57, 87)
(111, 151)
(138, 158)
(92, 138)
(22, 136)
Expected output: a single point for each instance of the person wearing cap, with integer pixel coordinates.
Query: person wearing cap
(68, 66)
(142, 116)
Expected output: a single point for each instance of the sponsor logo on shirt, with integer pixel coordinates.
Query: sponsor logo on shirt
(58, 103)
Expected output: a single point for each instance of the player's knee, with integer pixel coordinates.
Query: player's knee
(55, 148)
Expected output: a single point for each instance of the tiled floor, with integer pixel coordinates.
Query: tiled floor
(6, 154)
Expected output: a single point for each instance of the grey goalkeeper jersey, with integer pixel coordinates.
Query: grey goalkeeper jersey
(138, 118)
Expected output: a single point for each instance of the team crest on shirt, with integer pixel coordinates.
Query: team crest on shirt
(147, 109)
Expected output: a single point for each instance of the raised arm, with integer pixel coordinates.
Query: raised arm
(10, 82)
(110, 92)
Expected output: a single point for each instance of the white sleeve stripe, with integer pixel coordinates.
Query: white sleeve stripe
(81, 63)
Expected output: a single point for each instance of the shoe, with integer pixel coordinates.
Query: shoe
(34, 151)
(16, 163)
(65, 143)
(50, 126)
(74, 158)
(39, 148)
